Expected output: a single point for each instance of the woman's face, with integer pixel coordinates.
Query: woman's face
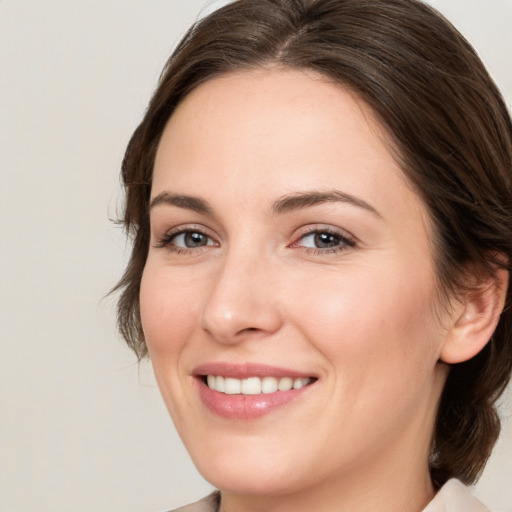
(287, 249)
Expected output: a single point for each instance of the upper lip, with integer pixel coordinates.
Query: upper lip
(246, 370)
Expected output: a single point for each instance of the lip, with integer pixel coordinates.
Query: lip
(246, 407)
(246, 370)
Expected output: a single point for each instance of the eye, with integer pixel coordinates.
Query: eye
(185, 240)
(324, 240)
(321, 240)
(190, 239)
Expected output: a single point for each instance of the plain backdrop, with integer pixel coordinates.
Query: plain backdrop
(82, 426)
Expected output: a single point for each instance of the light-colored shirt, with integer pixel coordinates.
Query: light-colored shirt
(452, 497)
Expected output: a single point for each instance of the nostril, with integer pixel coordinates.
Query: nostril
(248, 330)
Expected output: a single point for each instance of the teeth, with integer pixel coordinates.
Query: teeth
(300, 383)
(285, 384)
(269, 385)
(232, 386)
(254, 385)
(251, 386)
(219, 384)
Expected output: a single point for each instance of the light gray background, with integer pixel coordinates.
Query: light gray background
(82, 428)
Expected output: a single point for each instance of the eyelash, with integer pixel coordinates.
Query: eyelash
(344, 241)
(166, 240)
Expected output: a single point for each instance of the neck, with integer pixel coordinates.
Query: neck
(407, 494)
(396, 479)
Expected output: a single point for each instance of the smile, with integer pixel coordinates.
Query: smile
(249, 391)
(255, 385)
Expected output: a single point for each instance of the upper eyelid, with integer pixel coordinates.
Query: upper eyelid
(184, 228)
(162, 224)
(164, 239)
(324, 228)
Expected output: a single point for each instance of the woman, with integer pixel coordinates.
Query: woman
(320, 199)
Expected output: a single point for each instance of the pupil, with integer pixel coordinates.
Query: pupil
(326, 240)
(195, 240)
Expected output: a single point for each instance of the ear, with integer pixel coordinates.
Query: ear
(475, 319)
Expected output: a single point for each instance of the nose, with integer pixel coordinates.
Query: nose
(242, 302)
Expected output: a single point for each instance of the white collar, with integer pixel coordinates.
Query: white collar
(454, 496)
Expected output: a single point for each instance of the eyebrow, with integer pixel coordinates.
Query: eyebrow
(181, 201)
(285, 204)
(301, 200)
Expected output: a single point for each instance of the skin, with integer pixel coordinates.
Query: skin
(362, 317)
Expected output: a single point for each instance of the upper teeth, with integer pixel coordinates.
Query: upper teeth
(254, 385)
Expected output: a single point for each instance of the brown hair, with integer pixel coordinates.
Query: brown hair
(453, 137)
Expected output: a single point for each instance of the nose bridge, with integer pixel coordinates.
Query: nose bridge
(242, 298)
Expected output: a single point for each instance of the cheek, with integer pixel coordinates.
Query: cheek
(169, 314)
(371, 317)
(379, 339)
(169, 311)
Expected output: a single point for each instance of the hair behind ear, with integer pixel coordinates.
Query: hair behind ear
(468, 425)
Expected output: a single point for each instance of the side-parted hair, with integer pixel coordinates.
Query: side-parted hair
(452, 136)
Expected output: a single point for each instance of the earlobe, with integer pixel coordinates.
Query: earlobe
(475, 320)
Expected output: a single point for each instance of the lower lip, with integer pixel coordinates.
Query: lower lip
(246, 407)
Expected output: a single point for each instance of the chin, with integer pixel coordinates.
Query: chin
(257, 472)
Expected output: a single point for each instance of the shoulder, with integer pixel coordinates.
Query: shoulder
(454, 496)
(208, 504)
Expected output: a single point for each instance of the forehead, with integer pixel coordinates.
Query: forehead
(274, 130)
(259, 99)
